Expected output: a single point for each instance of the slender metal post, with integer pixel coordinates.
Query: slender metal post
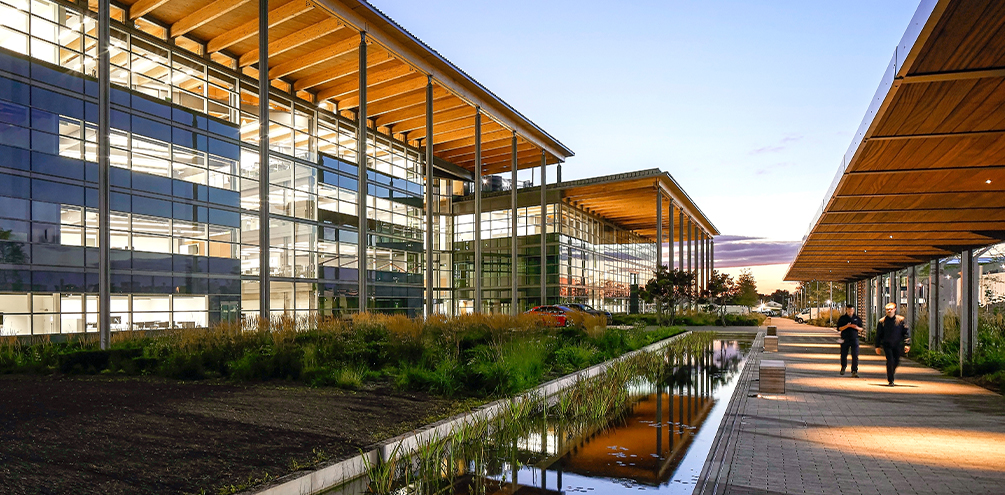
(361, 192)
(711, 256)
(264, 234)
(670, 229)
(912, 304)
(680, 240)
(429, 196)
(968, 305)
(478, 210)
(659, 227)
(104, 162)
(514, 286)
(934, 321)
(544, 229)
(690, 235)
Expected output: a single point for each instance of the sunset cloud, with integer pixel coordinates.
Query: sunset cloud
(734, 251)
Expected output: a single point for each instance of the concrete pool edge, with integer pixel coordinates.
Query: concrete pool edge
(719, 459)
(344, 471)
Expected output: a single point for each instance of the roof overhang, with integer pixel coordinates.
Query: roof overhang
(314, 54)
(924, 176)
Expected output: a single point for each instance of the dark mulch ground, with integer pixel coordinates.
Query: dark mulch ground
(140, 435)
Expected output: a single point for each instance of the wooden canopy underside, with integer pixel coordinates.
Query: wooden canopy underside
(315, 53)
(927, 179)
(629, 201)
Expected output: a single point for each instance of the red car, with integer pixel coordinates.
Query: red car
(553, 316)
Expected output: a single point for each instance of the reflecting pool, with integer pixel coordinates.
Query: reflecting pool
(656, 440)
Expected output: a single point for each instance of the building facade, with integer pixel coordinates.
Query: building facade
(146, 188)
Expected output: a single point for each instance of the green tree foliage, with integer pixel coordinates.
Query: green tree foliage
(746, 289)
(721, 291)
(668, 289)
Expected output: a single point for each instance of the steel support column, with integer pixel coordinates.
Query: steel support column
(711, 257)
(659, 227)
(934, 319)
(264, 232)
(429, 196)
(514, 286)
(680, 240)
(690, 236)
(878, 310)
(969, 295)
(361, 192)
(478, 210)
(104, 163)
(912, 299)
(670, 229)
(544, 228)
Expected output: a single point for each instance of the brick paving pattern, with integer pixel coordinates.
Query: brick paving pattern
(832, 434)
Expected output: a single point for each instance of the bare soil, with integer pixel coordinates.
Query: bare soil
(114, 435)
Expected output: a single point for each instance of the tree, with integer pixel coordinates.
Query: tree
(720, 291)
(746, 289)
(780, 296)
(668, 289)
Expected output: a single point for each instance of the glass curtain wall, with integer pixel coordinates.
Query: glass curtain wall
(591, 261)
(184, 186)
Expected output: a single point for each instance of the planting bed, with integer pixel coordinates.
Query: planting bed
(148, 435)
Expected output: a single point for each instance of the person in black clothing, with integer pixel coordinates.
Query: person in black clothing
(893, 338)
(849, 324)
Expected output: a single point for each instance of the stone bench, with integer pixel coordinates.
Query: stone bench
(772, 330)
(771, 343)
(772, 376)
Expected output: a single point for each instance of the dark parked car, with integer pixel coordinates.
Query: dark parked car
(554, 316)
(586, 308)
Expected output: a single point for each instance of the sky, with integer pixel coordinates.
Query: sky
(748, 105)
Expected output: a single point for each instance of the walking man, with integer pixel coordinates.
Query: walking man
(849, 324)
(892, 338)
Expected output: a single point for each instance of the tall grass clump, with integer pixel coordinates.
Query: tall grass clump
(478, 355)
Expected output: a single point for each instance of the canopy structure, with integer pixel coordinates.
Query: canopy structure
(924, 176)
(630, 200)
(314, 53)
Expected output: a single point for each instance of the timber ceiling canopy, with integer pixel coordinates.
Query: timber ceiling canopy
(629, 200)
(314, 52)
(924, 177)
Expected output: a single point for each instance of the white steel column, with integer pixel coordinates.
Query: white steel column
(659, 227)
(968, 305)
(934, 319)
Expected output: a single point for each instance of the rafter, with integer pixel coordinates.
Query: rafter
(346, 69)
(205, 15)
(304, 62)
(348, 83)
(321, 29)
(249, 29)
(144, 7)
(386, 89)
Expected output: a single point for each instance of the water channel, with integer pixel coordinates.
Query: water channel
(657, 442)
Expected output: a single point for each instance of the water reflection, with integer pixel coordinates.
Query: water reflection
(656, 443)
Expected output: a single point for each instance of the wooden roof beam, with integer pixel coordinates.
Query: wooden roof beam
(287, 43)
(349, 69)
(205, 15)
(403, 101)
(317, 57)
(440, 118)
(440, 104)
(249, 29)
(144, 7)
(386, 89)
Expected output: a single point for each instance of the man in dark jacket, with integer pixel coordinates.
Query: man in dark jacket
(849, 324)
(892, 338)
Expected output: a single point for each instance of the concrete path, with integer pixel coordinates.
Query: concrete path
(836, 434)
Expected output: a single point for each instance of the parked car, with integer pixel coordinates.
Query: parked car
(554, 316)
(586, 308)
(806, 315)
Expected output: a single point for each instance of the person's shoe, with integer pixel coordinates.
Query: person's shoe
(842, 372)
(891, 385)
(854, 374)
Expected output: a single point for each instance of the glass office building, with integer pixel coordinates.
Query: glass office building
(185, 195)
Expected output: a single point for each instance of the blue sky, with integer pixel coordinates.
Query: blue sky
(749, 105)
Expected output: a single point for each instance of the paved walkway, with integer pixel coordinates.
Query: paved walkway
(836, 434)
